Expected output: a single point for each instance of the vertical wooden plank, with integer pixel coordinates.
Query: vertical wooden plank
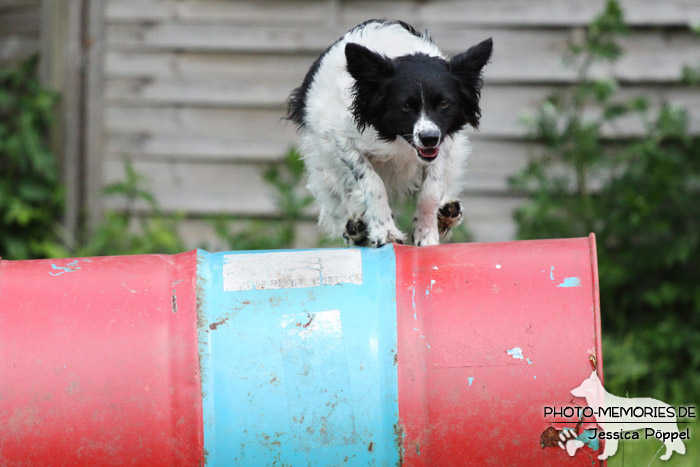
(61, 70)
(19, 31)
(46, 44)
(93, 112)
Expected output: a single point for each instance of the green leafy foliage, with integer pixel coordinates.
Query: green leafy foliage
(264, 234)
(31, 198)
(640, 198)
(127, 231)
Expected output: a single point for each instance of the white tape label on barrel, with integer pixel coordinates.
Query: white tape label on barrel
(291, 269)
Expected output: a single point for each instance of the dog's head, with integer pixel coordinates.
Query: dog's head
(420, 98)
(591, 389)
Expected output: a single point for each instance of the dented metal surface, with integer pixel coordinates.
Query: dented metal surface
(299, 366)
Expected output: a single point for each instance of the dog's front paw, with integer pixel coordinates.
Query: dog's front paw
(355, 233)
(382, 235)
(569, 442)
(424, 236)
(449, 216)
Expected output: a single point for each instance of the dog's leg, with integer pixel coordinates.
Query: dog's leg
(356, 233)
(425, 228)
(673, 445)
(457, 150)
(449, 216)
(678, 446)
(323, 185)
(667, 454)
(610, 449)
(369, 199)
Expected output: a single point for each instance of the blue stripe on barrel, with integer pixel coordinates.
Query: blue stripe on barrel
(298, 357)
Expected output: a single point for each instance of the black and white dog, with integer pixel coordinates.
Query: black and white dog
(383, 114)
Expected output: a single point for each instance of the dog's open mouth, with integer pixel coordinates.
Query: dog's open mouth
(428, 153)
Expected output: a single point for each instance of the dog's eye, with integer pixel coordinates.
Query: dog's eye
(443, 105)
(406, 107)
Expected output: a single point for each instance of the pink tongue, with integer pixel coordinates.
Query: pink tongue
(429, 153)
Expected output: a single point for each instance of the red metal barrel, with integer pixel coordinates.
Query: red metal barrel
(488, 335)
(98, 362)
(429, 356)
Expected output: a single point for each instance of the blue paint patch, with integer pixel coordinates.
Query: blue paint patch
(62, 269)
(551, 273)
(570, 282)
(534, 377)
(516, 352)
(471, 380)
(70, 267)
(299, 376)
(589, 439)
(529, 362)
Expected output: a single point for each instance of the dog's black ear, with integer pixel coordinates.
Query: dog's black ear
(467, 68)
(367, 66)
(371, 72)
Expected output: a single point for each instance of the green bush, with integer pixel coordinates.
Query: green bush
(31, 198)
(285, 179)
(126, 232)
(640, 198)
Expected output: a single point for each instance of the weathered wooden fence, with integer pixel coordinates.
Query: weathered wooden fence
(193, 91)
(19, 30)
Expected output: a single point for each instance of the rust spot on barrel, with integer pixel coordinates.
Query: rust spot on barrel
(549, 437)
(311, 318)
(398, 441)
(215, 325)
(199, 294)
(173, 300)
(201, 321)
(594, 363)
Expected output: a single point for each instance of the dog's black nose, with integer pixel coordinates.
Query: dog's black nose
(429, 139)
